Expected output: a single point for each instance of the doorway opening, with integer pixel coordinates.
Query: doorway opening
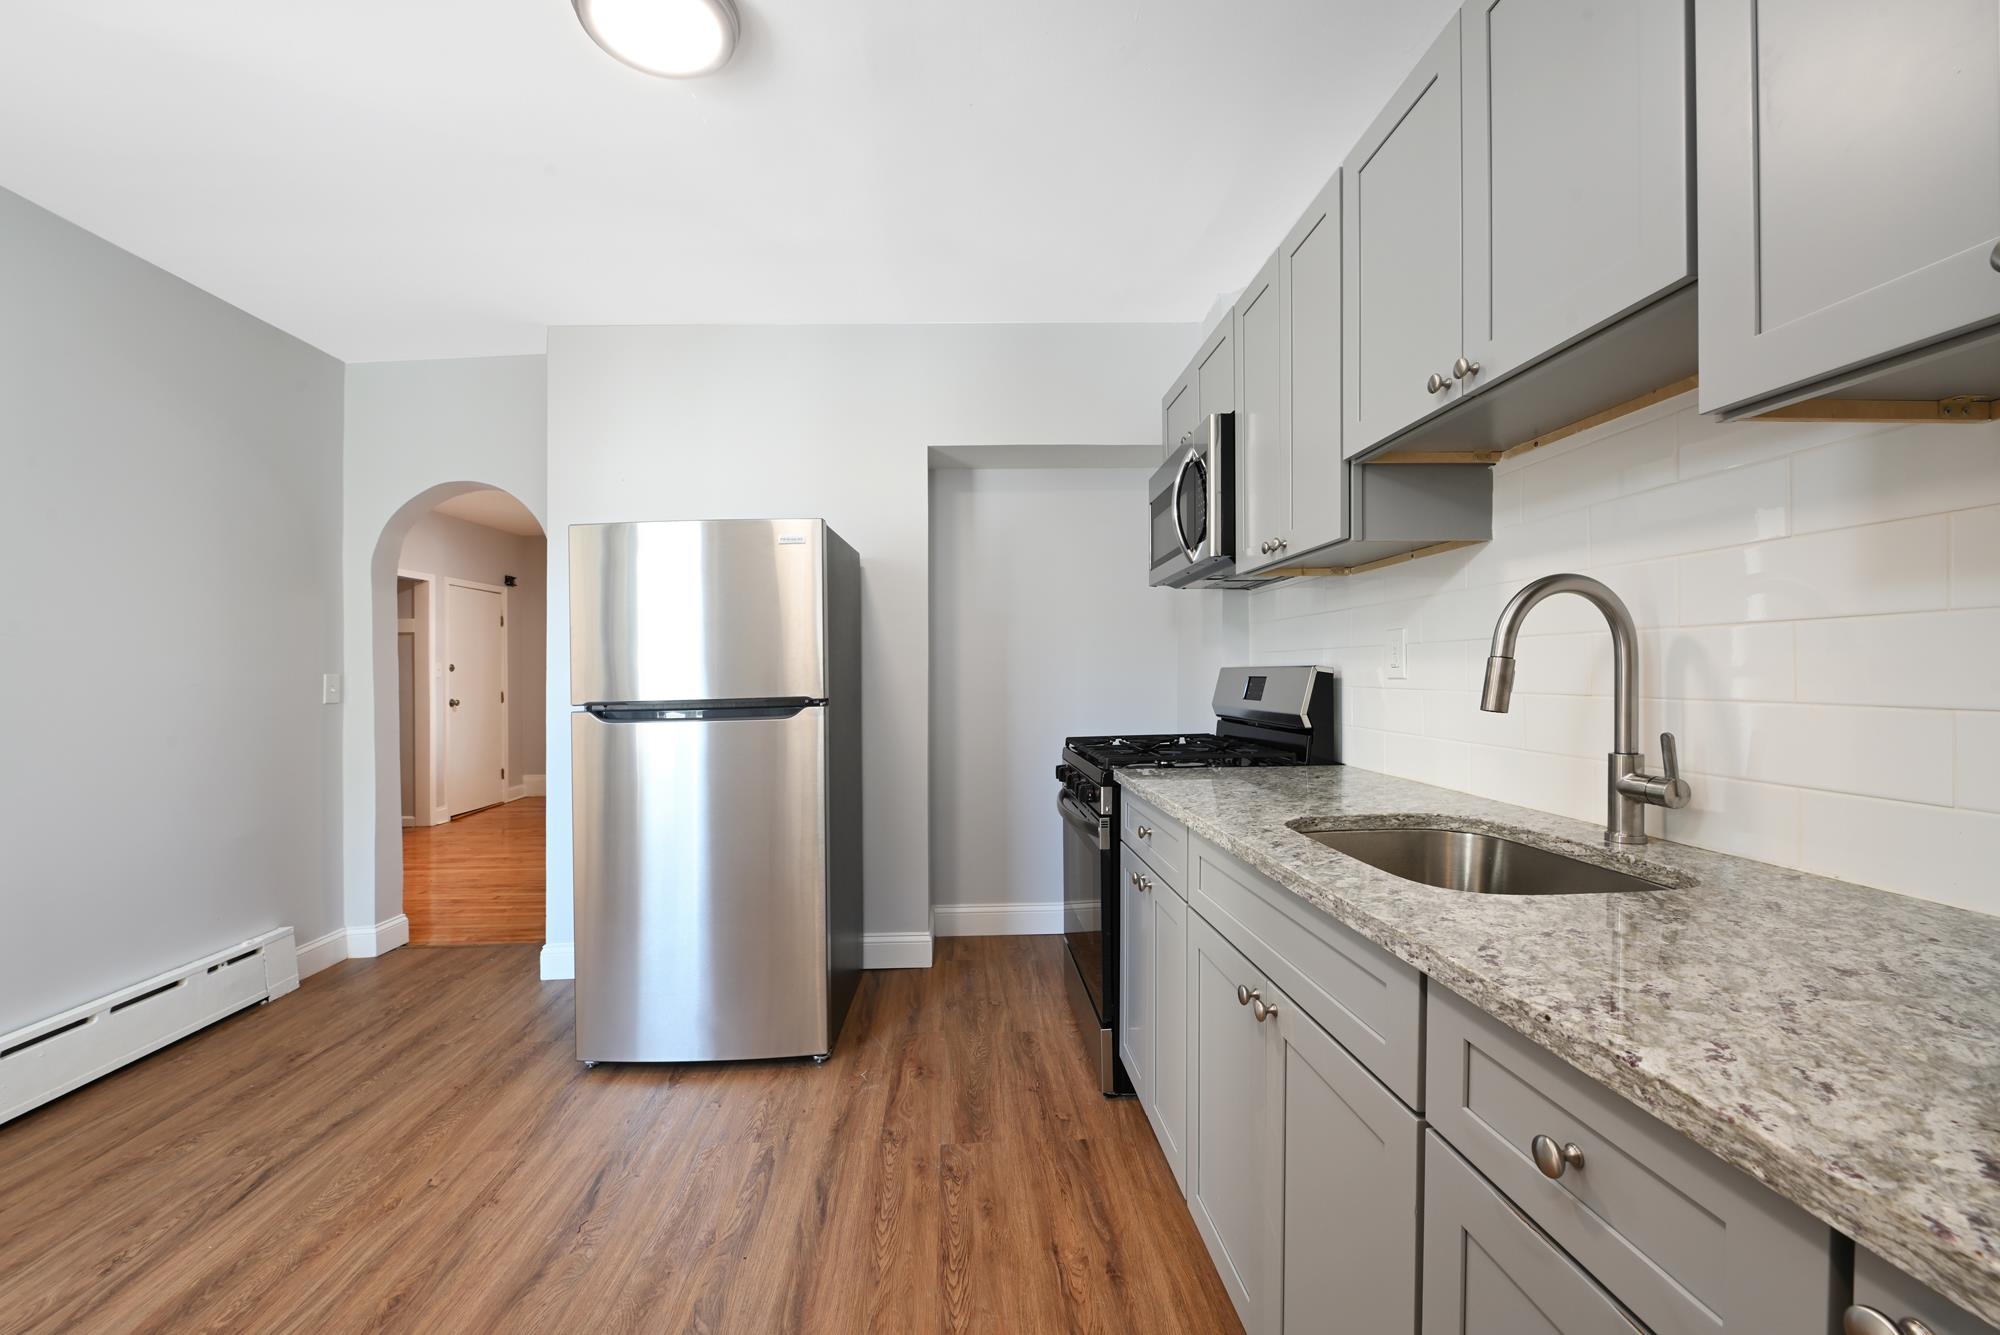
(471, 636)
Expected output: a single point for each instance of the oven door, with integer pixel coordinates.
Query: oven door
(1089, 911)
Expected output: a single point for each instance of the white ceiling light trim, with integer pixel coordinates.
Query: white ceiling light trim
(678, 39)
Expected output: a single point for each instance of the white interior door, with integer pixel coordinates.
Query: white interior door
(475, 651)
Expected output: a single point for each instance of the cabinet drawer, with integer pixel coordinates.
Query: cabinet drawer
(1161, 840)
(1897, 1297)
(1369, 1000)
(1688, 1243)
(1488, 1271)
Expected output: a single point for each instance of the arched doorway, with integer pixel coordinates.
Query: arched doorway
(459, 593)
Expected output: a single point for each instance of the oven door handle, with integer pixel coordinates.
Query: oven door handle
(1094, 826)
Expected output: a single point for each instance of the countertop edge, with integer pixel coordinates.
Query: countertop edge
(1803, 1179)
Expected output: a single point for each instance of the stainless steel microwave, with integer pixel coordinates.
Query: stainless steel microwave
(1194, 511)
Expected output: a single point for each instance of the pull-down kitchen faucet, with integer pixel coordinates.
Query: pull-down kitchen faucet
(1629, 789)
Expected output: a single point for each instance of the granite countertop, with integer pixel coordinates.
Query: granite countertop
(1840, 1044)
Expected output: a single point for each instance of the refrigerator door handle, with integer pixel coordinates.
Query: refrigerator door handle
(676, 712)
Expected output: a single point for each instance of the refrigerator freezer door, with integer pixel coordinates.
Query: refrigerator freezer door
(725, 609)
(701, 888)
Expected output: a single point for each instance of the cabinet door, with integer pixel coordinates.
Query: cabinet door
(1402, 249)
(1169, 1107)
(1135, 974)
(1577, 204)
(1231, 1122)
(1349, 1171)
(1178, 412)
(1309, 273)
(1263, 433)
(1488, 1271)
(1895, 1297)
(1848, 159)
(1215, 372)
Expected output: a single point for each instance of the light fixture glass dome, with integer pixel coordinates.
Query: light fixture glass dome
(679, 39)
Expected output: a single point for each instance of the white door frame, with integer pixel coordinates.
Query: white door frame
(443, 807)
(427, 723)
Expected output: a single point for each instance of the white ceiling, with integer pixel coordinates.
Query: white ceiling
(493, 509)
(395, 179)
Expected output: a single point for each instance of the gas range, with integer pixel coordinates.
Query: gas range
(1264, 716)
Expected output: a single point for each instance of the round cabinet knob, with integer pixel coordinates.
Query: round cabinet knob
(1280, 543)
(1243, 995)
(1862, 1320)
(1143, 831)
(1994, 258)
(1132, 878)
(1261, 1009)
(1436, 383)
(1554, 1160)
(1462, 368)
(454, 704)
(1265, 547)
(1145, 883)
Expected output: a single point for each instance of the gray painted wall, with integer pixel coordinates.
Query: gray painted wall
(169, 778)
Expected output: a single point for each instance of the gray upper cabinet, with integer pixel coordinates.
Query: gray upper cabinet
(1488, 1271)
(1849, 172)
(1577, 203)
(1263, 432)
(1215, 372)
(1288, 427)
(1402, 248)
(1178, 412)
(1349, 1162)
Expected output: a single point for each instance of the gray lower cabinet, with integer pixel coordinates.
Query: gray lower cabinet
(1489, 1271)
(1578, 203)
(1402, 248)
(1167, 1108)
(1348, 1159)
(1135, 973)
(1232, 1120)
(1838, 228)
(1889, 1302)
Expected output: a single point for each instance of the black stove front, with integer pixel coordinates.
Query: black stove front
(1089, 802)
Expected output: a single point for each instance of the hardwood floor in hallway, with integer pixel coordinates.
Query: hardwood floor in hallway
(477, 880)
(408, 1143)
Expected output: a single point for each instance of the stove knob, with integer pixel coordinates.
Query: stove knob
(1063, 772)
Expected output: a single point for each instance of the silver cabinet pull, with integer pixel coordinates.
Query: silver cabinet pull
(1437, 384)
(1244, 995)
(1280, 543)
(1864, 1320)
(1554, 1160)
(1145, 883)
(1133, 878)
(1260, 1008)
(1462, 368)
(1994, 258)
(1143, 831)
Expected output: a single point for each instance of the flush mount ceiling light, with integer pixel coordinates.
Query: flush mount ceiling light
(680, 39)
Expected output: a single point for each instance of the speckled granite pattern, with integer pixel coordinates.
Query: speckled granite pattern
(1839, 1043)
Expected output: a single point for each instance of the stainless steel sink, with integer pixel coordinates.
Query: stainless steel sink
(1479, 864)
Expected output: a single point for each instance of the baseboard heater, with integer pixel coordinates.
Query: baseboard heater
(51, 1057)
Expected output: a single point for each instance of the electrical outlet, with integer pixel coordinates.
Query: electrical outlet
(1399, 655)
(329, 689)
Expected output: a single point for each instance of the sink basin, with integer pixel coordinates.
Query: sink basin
(1479, 864)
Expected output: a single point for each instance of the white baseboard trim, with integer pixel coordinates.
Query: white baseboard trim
(367, 942)
(322, 952)
(409, 822)
(531, 785)
(1043, 918)
(879, 950)
(896, 950)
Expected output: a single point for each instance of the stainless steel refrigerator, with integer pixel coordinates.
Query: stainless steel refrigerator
(715, 670)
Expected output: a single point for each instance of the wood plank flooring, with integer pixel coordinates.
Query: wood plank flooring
(477, 880)
(407, 1143)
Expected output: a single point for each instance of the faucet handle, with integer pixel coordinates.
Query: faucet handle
(1675, 792)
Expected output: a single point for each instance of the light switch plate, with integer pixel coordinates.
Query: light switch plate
(329, 689)
(1399, 655)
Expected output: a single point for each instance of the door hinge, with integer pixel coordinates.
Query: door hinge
(503, 697)
(503, 621)
(503, 771)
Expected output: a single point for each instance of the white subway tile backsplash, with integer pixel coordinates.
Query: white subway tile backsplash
(1975, 558)
(1819, 612)
(1977, 782)
(1936, 660)
(1916, 470)
(1743, 505)
(1899, 753)
(1754, 661)
(1938, 853)
(1897, 567)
